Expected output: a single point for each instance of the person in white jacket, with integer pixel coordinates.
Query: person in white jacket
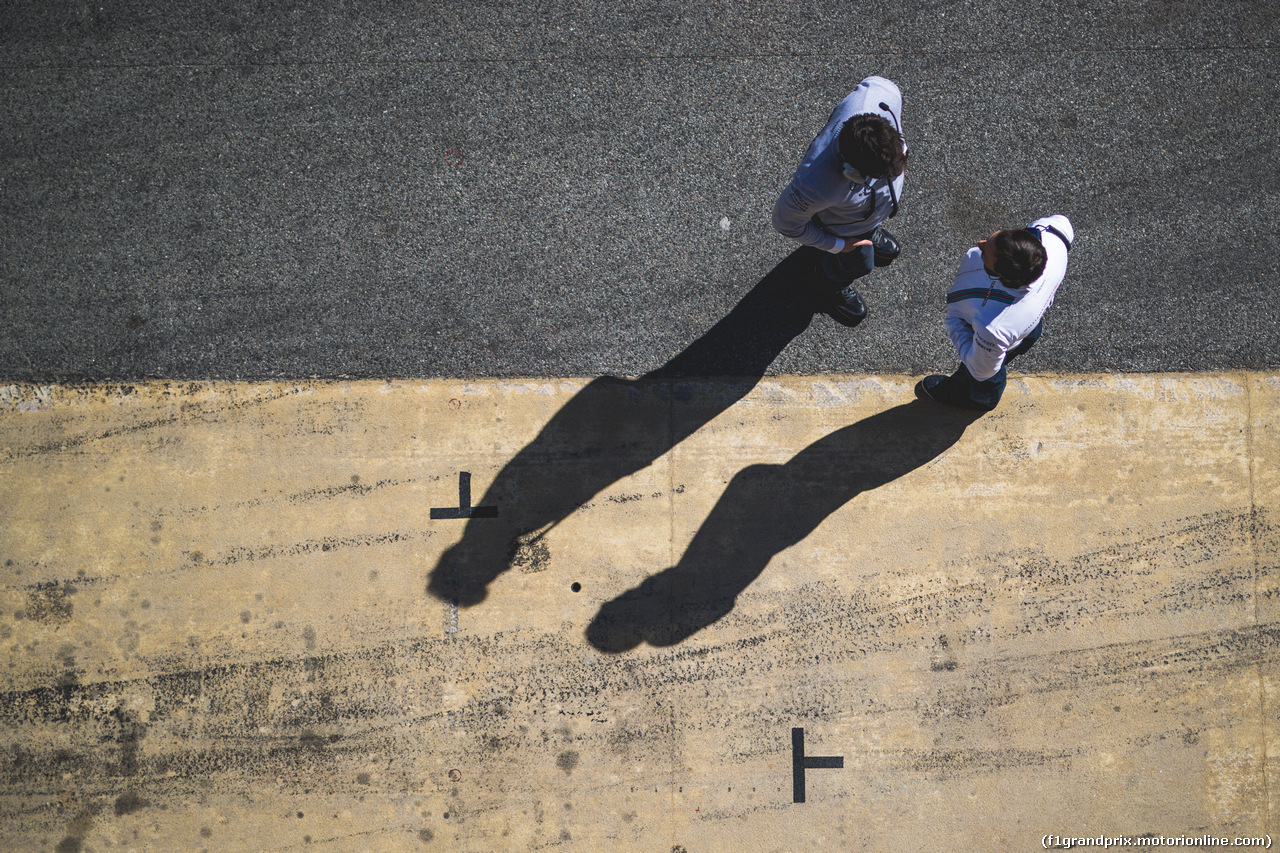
(996, 307)
(847, 185)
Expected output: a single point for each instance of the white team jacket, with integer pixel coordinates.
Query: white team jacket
(820, 187)
(985, 319)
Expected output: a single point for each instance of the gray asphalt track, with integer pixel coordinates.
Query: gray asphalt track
(418, 189)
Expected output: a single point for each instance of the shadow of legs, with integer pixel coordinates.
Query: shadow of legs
(615, 427)
(765, 509)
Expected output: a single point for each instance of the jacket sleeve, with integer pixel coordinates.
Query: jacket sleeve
(960, 332)
(792, 217)
(980, 350)
(982, 353)
(976, 349)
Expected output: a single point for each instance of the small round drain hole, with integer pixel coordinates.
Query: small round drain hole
(575, 586)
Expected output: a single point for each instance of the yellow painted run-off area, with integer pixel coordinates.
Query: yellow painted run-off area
(232, 623)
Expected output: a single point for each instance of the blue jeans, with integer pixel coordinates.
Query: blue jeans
(962, 390)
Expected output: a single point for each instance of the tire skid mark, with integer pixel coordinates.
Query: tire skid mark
(296, 757)
(309, 546)
(237, 731)
(952, 763)
(333, 839)
(875, 624)
(225, 685)
(1225, 529)
(1006, 680)
(226, 741)
(875, 621)
(73, 442)
(872, 620)
(207, 722)
(240, 689)
(1062, 590)
(358, 490)
(188, 412)
(880, 634)
(195, 560)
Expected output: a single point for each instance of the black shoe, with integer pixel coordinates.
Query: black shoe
(886, 247)
(849, 310)
(929, 385)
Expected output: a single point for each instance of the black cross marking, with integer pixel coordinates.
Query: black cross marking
(464, 509)
(799, 764)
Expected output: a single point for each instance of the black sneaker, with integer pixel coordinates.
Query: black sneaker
(929, 385)
(886, 247)
(849, 309)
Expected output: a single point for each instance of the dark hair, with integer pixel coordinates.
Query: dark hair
(871, 145)
(1020, 256)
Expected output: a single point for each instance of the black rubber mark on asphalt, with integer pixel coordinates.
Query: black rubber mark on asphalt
(799, 764)
(464, 509)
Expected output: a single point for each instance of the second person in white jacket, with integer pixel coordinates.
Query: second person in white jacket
(996, 307)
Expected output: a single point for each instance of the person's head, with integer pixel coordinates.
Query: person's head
(1014, 255)
(872, 146)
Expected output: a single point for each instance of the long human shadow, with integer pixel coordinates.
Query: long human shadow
(767, 508)
(613, 428)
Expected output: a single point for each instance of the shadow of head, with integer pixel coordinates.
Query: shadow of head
(766, 509)
(656, 614)
(454, 580)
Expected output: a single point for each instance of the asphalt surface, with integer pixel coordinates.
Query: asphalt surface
(428, 190)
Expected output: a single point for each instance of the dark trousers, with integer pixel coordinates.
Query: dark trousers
(962, 390)
(845, 268)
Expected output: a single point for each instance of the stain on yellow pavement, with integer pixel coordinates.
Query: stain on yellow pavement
(231, 621)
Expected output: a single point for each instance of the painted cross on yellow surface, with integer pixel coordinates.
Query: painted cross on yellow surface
(464, 509)
(800, 763)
